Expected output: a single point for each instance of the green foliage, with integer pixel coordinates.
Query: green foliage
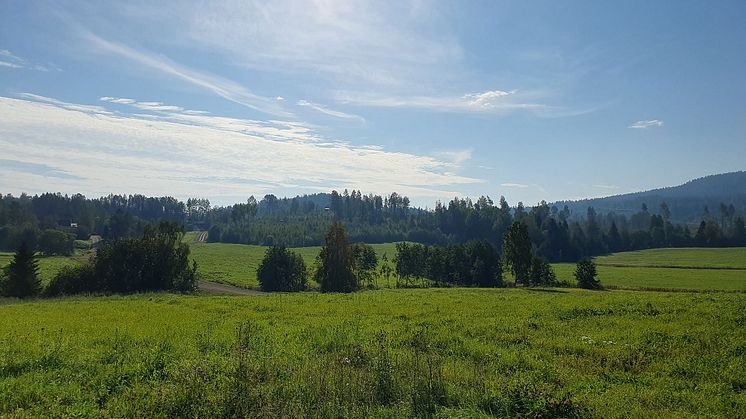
(21, 278)
(542, 273)
(517, 252)
(366, 261)
(585, 274)
(56, 242)
(384, 353)
(476, 263)
(336, 263)
(236, 264)
(71, 280)
(282, 270)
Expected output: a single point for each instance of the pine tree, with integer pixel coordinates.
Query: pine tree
(21, 275)
(336, 262)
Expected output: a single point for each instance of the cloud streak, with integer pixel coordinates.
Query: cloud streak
(10, 60)
(492, 101)
(224, 88)
(323, 109)
(99, 151)
(645, 124)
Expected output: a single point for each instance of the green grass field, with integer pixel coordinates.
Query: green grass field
(236, 264)
(645, 278)
(696, 269)
(683, 257)
(390, 353)
(48, 265)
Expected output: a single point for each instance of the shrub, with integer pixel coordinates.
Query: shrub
(73, 280)
(56, 242)
(585, 274)
(282, 270)
(542, 272)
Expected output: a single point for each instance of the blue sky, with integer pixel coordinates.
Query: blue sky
(531, 100)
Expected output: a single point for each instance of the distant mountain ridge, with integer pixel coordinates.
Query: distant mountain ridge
(687, 202)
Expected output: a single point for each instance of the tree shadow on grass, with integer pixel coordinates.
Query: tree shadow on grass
(547, 290)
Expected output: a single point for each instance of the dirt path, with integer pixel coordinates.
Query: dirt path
(222, 289)
(201, 237)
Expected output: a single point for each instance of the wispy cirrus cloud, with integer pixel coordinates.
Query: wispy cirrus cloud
(222, 87)
(491, 101)
(96, 151)
(331, 112)
(10, 60)
(650, 123)
(456, 157)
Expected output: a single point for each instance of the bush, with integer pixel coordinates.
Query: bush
(542, 273)
(73, 280)
(56, 242)
(585, 274)
(158, 261)
(282, 270)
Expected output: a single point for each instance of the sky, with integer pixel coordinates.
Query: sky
(540, 100)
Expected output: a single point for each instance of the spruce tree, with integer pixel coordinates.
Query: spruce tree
(336, 262)
(21, 275)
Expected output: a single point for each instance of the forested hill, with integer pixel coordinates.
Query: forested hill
(687, 202)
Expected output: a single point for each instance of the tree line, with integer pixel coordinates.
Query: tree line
(159, 260)
(50, 222)
(342, 266)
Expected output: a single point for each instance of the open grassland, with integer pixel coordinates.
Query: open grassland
(723, 258)
(236, 264)
(646, 278)
(48, 265)
(391, 353)
(697, 269)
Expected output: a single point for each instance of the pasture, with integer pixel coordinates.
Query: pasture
(696, 269)
(48, 265)
(391, 353)
(236, 264)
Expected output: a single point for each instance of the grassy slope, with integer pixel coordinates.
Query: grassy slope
(661, 278)
(688, 268)
(616, 353)
(687, 257)
(236, 264)
(48, 265)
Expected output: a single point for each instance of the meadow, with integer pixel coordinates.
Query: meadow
(48, 265)
(721, 269)
(383, 353)
(236, 264)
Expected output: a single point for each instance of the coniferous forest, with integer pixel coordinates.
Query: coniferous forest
(51, 222)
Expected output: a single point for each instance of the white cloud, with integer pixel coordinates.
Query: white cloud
(651, 123)
(606, 186)
(180, 154)
(120, 101)
(10, 65)
(494, 101)
(355, 42)
(514, 185)
(224, 88)
(323, 109)
(11, 60)
(456, 157)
